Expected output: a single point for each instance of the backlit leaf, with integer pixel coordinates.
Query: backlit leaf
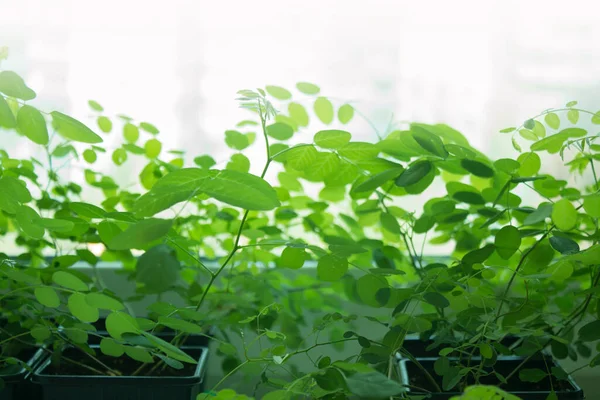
(324, 110)
(308, 88)
(140, 234)
(81, 309)
(345, 113)
(332, 139)
(32, 124)
(71, 129)
(69, 281)
(330, 268)
(564, 215)
(278, 92)
(13, 85)
(414, 173)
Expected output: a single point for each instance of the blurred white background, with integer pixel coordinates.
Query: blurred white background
(476, 65)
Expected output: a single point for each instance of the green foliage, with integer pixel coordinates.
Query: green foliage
(327, 223)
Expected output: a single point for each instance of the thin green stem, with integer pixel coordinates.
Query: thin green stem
(236, 246)
(516, 271)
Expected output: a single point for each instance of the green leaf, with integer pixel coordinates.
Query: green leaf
(389, 223)
(103, 301)
(179, 325)
(169, 349)
(325, 165)
(307, 88)
(205, 161)
(71, 129)
(564, 215)
(553, 144)
(331, 268)
(411, 323)
(90, 156)
(32, 124)
(298, 114)
(108, 230)
(104, 123)
(428, 141)
(279, 92)
(81, 309)
(56, 225)
(7, 118)
(158, 268)
(544, 211)
(507, 165)
(119, 156)
(324, 110)
(469, 197)
(40, 333)
(529, 124)
(131, 133)
(539, 130)
(532, 375)
(590, 332)
(30, 222)
(367, 287)
(591, 205)
(94, 105)
(13, 192)
(414, 173)
(564, 245)
(87, 210)
(345, 113)
(148, 127)
(530, 164)
(507, 241)
(293, 258)
(13, 85)
(241, 189)
(153, 147)
(118, 323)
(552, 120)
(573, 116)
(111, 348)
(372, 385)
(239, 162)
(175, 187)
(47, 296)
(301, 157)
(236, 140)
(358, 151)
(477, 168)
(69, 281)
(280, 131)
(332, 139)
(139, 354)
(436, 299)
(140, 234)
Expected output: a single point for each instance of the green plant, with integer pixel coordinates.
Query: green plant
(236, 247)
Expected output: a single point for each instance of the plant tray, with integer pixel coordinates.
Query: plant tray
(564, 389)
(89, 387)
(16, 384)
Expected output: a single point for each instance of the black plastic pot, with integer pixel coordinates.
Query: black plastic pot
(412, 375)
(16, 384)
(90, 387)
